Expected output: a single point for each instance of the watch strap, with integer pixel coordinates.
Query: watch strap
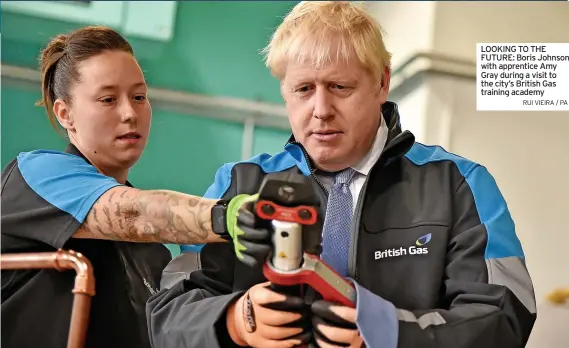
(219, 218)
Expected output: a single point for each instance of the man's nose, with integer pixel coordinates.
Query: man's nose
(322, 104)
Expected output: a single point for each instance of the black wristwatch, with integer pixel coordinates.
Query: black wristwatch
(219, 219)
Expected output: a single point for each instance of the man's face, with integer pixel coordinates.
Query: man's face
(335, 111)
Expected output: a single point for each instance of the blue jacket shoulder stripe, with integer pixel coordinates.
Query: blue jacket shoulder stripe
(64, 180)
(490, 203)
(269, 164)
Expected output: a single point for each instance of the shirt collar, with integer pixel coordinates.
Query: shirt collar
(72, 149)
(364, 166)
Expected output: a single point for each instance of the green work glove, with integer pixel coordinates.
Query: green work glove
(251, 242)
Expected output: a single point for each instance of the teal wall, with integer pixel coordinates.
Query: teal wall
(215, 51)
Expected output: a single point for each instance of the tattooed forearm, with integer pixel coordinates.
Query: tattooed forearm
(129, 214)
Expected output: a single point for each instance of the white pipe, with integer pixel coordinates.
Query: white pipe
(261, 109)
(248, 139)
(446, 120)
(432, 61)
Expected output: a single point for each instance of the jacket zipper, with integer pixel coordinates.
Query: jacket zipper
(353, 270)
(310, 167)
(355, 228)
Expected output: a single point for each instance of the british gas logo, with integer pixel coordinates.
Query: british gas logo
(418, 249)
(423, 240)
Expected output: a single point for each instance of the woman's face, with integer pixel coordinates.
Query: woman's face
(109, 116)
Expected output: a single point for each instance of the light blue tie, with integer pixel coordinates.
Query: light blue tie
(338, 221)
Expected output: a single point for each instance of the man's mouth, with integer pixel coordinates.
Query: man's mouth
(326, 135)
(326, 132)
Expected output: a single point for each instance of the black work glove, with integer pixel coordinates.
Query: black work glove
(252, 243)
(264, 318)
(334, 325)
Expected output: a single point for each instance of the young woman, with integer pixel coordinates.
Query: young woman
(81, 199)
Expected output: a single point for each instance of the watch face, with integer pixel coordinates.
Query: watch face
(218, 220)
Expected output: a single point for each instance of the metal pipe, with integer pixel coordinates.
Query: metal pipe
(83, 290)
(79, 320)
(432, 56)
(248, 139)
(184, 102)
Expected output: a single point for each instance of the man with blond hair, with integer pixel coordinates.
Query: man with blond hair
(424, 236)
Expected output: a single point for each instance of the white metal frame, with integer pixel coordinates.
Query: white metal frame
(108, 13)
(153, 20)
(250, 113)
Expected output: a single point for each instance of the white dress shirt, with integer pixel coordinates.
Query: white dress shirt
(364, 166)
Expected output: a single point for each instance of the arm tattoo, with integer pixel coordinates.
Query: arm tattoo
(129, 214)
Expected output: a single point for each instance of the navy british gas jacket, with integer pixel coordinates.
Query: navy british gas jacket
(434, 255)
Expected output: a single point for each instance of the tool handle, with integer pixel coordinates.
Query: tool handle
(294, 290)
(319, 277)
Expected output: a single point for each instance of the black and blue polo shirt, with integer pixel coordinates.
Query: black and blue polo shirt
(46, 196)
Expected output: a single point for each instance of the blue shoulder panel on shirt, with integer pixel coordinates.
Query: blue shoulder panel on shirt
(491, 205)
(64, 180)
(269, 164)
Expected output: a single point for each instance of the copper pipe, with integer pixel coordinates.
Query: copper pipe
(84, 288)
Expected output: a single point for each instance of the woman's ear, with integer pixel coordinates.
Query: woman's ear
(62, 112)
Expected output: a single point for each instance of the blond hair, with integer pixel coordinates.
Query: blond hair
(327, 31)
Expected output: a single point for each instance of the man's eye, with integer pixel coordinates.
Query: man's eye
(339, 87)
(303, 89)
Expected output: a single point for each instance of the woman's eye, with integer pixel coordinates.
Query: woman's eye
(107, 100)
(140, 97)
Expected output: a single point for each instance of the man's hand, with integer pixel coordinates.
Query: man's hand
(335, 325)
(252, 243)
(264, 318)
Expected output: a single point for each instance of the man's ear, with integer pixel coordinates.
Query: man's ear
(62, 112)
(384, 87)
(281, 89)
(386, 78)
